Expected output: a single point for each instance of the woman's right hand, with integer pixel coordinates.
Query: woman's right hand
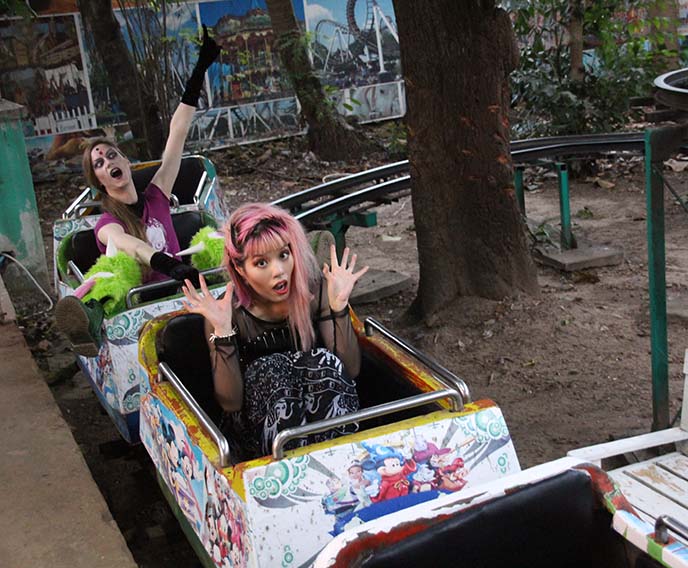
(217, 312)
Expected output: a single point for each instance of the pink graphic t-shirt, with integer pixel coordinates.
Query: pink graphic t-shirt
(158, 222)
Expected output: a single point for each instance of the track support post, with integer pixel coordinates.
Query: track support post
(564, 206)
(659, 144)
(518, 186)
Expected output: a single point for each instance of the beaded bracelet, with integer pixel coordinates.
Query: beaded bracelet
(222, 338)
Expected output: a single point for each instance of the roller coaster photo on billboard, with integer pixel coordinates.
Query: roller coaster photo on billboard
(353, 42)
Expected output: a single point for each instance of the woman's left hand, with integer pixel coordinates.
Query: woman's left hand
(341, 279)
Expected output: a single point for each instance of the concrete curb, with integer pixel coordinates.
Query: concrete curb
(53, 513)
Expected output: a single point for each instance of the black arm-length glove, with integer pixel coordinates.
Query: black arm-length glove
(206, 55)
(174, 268)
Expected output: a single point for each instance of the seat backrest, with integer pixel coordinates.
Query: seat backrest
(555, 522)
(83, 250)
(190, 171)
(182, 345)
(186, 225)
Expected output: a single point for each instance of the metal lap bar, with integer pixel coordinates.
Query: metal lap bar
(75, 270)
(86, 205)
(664, 524)
(441, 373)
(208, 425)
(163, 284)
(174, 200)
(366, 414)
(199, 189)
(69, 212)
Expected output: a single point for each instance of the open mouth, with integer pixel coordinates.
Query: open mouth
(116, 173)
(282, 287)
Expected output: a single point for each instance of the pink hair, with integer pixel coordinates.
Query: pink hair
(255, 228)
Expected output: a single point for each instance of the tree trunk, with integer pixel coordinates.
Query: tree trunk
(136, 99)
(328, 135)
(576, 40)
(665, 12)
(456, 58)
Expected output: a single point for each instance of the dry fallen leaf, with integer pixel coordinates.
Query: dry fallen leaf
(676, 165)
(604, 184)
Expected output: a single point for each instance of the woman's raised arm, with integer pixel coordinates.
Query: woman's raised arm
(181, 119)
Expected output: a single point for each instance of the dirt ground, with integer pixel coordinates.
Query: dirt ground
(569, 367)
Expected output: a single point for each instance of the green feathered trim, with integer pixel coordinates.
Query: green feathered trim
(127, 274)
(62, 251)
(211, 256)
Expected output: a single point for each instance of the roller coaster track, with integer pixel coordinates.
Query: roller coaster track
(384, 184)
(672, 89)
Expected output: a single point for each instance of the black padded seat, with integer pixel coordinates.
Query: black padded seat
(83, 250)
(190, 171)
(556, 522)
(186, 225)
(182, 345)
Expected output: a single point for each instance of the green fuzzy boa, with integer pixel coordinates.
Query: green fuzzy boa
(62, 249)
(127, 274)
(211, 256)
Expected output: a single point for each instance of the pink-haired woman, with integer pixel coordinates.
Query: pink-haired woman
(283, 350)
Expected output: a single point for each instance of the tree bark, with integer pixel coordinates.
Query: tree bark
(456, 58)
(138, 102)
(328, 135)
(576, 40)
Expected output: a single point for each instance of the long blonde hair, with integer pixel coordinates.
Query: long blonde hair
(133, 224)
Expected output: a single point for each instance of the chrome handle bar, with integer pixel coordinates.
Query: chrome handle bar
(163, 284)
(208, 425)
(441, 373)
(76, 271)
(664, 523)
(366, 414)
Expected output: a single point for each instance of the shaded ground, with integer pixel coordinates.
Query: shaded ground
(569, 367)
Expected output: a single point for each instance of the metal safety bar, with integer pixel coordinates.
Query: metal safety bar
(441, 373)
(664, 524)
(75, 270)
(199, 189)
(366, 414)
(208, 425)
(129, 300)
(74, 204)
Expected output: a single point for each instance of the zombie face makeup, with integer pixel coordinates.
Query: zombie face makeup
(112, 170)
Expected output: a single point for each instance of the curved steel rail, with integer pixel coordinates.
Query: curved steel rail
(366, 414)
(391, 180)
(441, 373)
(208, 425)
(295, 201)
(672, 89)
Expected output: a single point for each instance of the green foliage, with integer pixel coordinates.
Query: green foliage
(13, 8)
(546, 100)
